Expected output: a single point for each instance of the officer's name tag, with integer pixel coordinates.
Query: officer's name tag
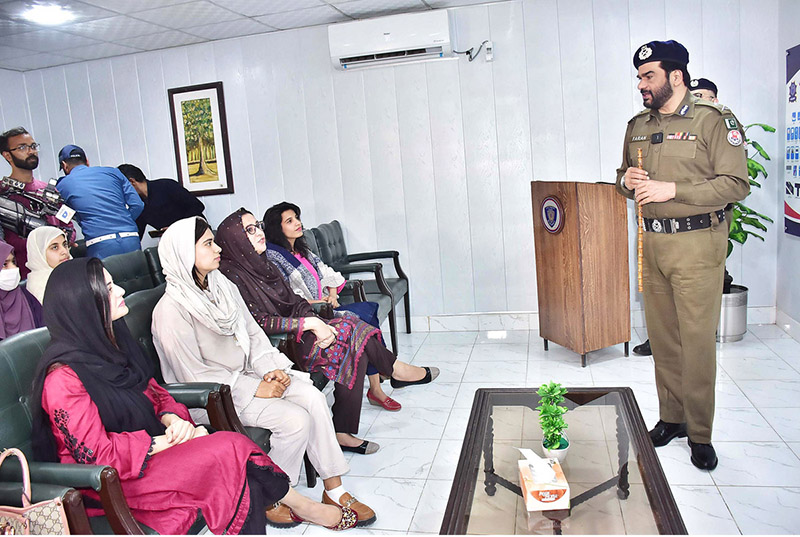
(65, 214)
(639, 138)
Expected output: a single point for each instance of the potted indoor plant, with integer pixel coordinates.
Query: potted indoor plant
(745, 222)
(551, 417)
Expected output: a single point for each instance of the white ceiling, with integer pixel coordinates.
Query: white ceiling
(105, 28)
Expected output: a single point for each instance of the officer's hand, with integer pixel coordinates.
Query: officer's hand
(654, 191)
(634, 177)
(270, 389)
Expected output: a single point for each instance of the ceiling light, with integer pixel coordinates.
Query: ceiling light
(49, 15)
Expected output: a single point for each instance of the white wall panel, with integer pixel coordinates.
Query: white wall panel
(452, 202)
(432, 159)
(483, 176)
(13, 102)
(40, 126)
(230, 72)
(81, 108)
(545, 92)
(514, 154)
(419, 190)
(264, 143)
(55, 91)
(576, 42)
(129, 111)
(155, 118)
(323, 142)
(351, 122)
(109, 139)
(384, 152)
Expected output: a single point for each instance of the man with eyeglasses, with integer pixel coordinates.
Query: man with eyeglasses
(105, 203)
(22, 154)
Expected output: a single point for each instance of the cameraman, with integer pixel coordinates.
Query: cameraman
(22, 154)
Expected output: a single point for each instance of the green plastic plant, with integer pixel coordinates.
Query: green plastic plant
(551, 415)
(742, 214)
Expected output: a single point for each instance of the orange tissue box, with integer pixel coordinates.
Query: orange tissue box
(544, 495)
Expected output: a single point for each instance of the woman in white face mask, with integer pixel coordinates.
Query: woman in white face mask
(47, 248)
(19, 311)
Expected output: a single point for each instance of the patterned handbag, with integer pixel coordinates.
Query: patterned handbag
(43, 518)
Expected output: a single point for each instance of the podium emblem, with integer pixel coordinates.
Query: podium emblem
(552, 214)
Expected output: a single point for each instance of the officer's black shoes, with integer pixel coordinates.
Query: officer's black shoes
(663, 432)
(643, 349)
(703, 456)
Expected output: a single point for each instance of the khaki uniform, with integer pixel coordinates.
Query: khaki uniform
(682, 272)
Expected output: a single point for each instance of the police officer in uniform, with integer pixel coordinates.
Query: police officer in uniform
(693, 165)
(702, 88)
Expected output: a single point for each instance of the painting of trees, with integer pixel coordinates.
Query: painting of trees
(199, 135)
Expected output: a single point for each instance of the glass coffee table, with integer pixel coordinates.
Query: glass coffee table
(616, 483)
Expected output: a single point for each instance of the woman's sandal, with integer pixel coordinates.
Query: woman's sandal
(365, 448)
(349, 520)
(430, 374)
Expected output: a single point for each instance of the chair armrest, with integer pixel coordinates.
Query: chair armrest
(206, 395)
(382, 254)
(103, 479)
(323, 309)
(11, 494)
(375, 268)
(356, 287)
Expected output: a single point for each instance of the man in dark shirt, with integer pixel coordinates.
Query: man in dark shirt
(165, 200)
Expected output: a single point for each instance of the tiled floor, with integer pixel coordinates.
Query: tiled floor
(755, 489)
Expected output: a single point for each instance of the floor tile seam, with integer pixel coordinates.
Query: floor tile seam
(763, 417)
(728, 507)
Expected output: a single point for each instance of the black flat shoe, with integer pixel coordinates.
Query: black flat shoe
(664, 432)
(430, 374)
(643, 349)
(704, 456)
(365, 448)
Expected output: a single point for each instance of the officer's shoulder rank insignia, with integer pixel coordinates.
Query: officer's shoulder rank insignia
(731, 123)
(735, 138)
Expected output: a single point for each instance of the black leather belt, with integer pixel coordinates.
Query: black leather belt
(676, 225)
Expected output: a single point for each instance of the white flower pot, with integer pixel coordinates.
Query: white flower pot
(558, 454)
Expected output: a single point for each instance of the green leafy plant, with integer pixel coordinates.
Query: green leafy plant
(551, 415)
(744, 218)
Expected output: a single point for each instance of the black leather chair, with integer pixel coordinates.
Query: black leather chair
(130, 271)
(19, 356)
(154, 263)
(387, 292)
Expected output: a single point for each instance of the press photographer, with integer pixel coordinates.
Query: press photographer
(26, 203)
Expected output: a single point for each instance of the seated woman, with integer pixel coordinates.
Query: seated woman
(19, 310)
(96, 402)
(337, 347)
(47, 248)
(315, 281)
(203, 333)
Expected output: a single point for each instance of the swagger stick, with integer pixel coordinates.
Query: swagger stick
(640, 232)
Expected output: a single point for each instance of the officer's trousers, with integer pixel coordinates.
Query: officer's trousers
(683, 275)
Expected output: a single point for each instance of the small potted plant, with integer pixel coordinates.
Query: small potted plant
(551, 417)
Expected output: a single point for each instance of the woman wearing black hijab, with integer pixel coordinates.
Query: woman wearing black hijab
(95, 402)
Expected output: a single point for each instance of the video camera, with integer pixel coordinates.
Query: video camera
(43, 203)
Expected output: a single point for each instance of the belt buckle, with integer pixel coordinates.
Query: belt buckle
(655, 225)
(673, 225)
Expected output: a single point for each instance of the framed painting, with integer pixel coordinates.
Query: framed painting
(200, 132)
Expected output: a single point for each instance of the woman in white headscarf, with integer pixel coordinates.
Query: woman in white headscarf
(203, 332)
(47, 248)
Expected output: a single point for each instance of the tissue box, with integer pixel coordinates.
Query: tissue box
(544, 496)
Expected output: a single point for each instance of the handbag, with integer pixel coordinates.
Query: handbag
(44, 518)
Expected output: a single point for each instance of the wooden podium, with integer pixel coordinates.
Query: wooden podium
(581, 237)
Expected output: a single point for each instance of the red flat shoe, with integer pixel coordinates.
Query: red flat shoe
(388, 404)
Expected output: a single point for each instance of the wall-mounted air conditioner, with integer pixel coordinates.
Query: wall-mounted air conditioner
(388, 40)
